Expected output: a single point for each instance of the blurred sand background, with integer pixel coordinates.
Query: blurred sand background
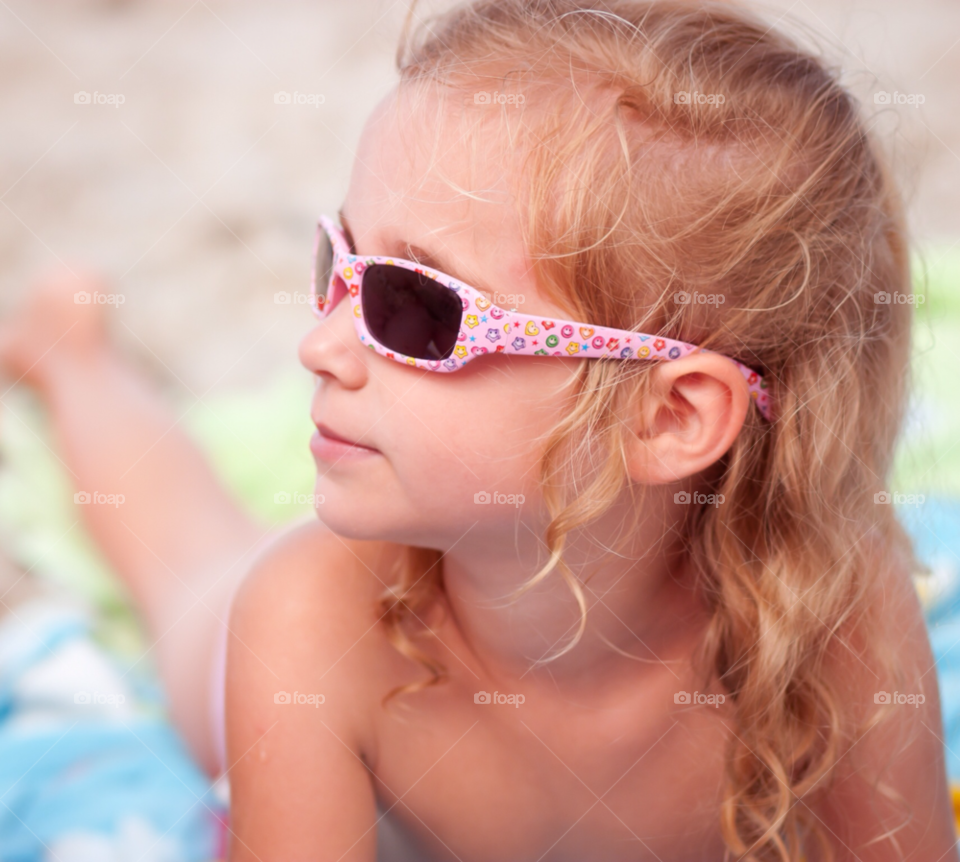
(198, 195)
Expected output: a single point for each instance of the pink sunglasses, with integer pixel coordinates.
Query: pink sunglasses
(426, 319)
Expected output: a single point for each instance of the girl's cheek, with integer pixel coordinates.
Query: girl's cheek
(477, 432)
(456, 447)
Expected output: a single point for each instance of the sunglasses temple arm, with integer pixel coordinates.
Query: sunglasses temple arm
(532, 336)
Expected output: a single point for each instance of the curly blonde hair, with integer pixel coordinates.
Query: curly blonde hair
(637, 185)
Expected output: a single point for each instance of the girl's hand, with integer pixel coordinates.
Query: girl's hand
(59, 321)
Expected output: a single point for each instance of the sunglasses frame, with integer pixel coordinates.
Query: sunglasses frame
(502, 331)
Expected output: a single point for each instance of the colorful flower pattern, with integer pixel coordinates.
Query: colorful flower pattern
(486, 328)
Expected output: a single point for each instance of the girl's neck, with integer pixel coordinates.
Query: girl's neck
(640, 602)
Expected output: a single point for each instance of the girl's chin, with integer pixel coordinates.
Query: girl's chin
(352, 528)
(357, 520)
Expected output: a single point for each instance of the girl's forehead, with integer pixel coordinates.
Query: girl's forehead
(428, 164)
(429, 176)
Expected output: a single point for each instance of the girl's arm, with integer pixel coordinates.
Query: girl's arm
(300, 789)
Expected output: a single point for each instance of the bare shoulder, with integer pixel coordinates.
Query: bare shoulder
(305, 618)
(302, 663)
(893, 778)
(310, 570)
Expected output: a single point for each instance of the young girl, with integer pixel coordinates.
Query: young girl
(564, 604)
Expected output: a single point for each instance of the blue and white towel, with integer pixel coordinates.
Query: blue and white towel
(90, 771)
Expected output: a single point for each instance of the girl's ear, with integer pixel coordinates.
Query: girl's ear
(690, 418)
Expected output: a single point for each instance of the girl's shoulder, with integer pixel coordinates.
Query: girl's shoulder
(306, 619)
(893, 768)
(303, 664)
(311, 566)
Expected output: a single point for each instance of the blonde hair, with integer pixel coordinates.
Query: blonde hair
(774, 196)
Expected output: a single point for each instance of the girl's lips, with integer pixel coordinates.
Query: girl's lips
(328, 446)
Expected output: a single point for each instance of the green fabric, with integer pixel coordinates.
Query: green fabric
(257, 442)
(928, 458)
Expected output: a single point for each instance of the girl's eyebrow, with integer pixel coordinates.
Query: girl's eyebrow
(421, 256)
(434, 261)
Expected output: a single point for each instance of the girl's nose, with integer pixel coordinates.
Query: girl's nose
(333, 349)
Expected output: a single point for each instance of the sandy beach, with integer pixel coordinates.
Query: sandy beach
(197, 191)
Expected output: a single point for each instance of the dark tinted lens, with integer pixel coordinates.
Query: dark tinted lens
(410, 313)
(322, 266)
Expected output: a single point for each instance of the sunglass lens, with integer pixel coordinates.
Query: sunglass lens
(322, 267)
(410, 313)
